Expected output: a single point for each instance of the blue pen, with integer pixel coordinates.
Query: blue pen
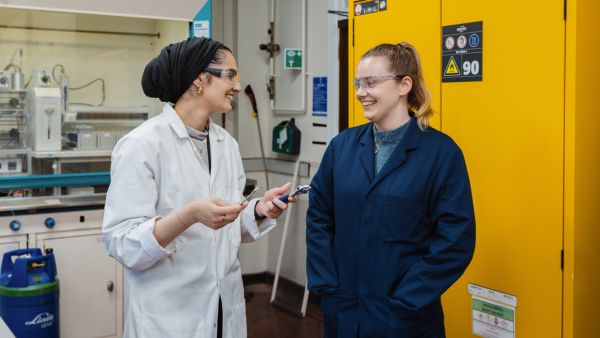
(302, 189)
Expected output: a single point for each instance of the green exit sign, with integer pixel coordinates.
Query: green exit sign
(293, 58)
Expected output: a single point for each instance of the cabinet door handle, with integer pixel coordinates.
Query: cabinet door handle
(110, 286)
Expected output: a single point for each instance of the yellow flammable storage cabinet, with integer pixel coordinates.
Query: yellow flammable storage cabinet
(529, 126)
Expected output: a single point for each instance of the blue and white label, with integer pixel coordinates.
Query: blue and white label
(200, 25)
(43, 319)
(474, 40)
(319, 96)
(201, 28)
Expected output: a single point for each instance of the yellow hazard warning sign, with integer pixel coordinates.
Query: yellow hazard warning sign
(462, 52)
(451, 68)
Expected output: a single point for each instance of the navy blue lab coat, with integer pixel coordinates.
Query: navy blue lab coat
(382, 248)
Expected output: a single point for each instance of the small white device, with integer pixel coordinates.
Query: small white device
(44, 107)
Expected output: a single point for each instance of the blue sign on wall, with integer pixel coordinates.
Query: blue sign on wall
(202, 21)
(319, 96)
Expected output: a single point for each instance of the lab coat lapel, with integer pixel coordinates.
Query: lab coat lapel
(179, 128)
(409, 141)
(215, 137)
(366, 155)
(175, 121)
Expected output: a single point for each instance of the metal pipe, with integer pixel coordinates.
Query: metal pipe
(151, 35)
(286, 224)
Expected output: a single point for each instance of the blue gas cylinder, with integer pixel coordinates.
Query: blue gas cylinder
(29, 294)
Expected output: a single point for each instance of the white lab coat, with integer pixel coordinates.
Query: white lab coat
(174, 291)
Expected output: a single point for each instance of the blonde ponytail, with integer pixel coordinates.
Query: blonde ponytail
(404, 59)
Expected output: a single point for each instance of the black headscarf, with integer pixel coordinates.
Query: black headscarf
(172, 72)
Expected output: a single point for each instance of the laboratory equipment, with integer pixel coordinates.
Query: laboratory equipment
(81, 137)
(11, 80)
(15, 156)
(17, 81)
(5, 80)
(100, 128)
(44, 108)
(29, 293)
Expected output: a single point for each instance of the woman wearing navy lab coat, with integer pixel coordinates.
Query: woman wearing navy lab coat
(390, 223)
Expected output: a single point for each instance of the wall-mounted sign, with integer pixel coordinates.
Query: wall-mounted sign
(493, 312)
(363, 7)
(319, 96)
(462, 52)
(200, 26)
(292, 58)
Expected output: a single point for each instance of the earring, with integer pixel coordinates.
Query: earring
(200, 90)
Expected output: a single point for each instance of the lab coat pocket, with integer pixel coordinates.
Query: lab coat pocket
(426, 322)
(168, 325)
(234, 233)
(401, 219)
(340, 315)
(230, 196)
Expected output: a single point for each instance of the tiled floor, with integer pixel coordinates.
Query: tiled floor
(267, 321)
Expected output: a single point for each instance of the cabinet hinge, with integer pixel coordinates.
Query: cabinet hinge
(353, 31)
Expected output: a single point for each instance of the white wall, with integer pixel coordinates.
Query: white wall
(288, 35)
(253, 21)
(253, 65)
(252, 24)
(294, 260)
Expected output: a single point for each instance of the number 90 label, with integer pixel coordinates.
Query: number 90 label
(470, 67)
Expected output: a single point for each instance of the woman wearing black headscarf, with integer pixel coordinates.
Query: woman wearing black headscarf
(173, 216)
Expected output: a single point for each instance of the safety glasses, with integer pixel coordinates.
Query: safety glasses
(230, 75)
(369, 82)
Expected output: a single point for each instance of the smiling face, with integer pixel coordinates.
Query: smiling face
(218, 91)
(381, 95)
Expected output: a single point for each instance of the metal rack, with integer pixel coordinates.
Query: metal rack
(15, 155)
(128, 117)
(12, 118)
